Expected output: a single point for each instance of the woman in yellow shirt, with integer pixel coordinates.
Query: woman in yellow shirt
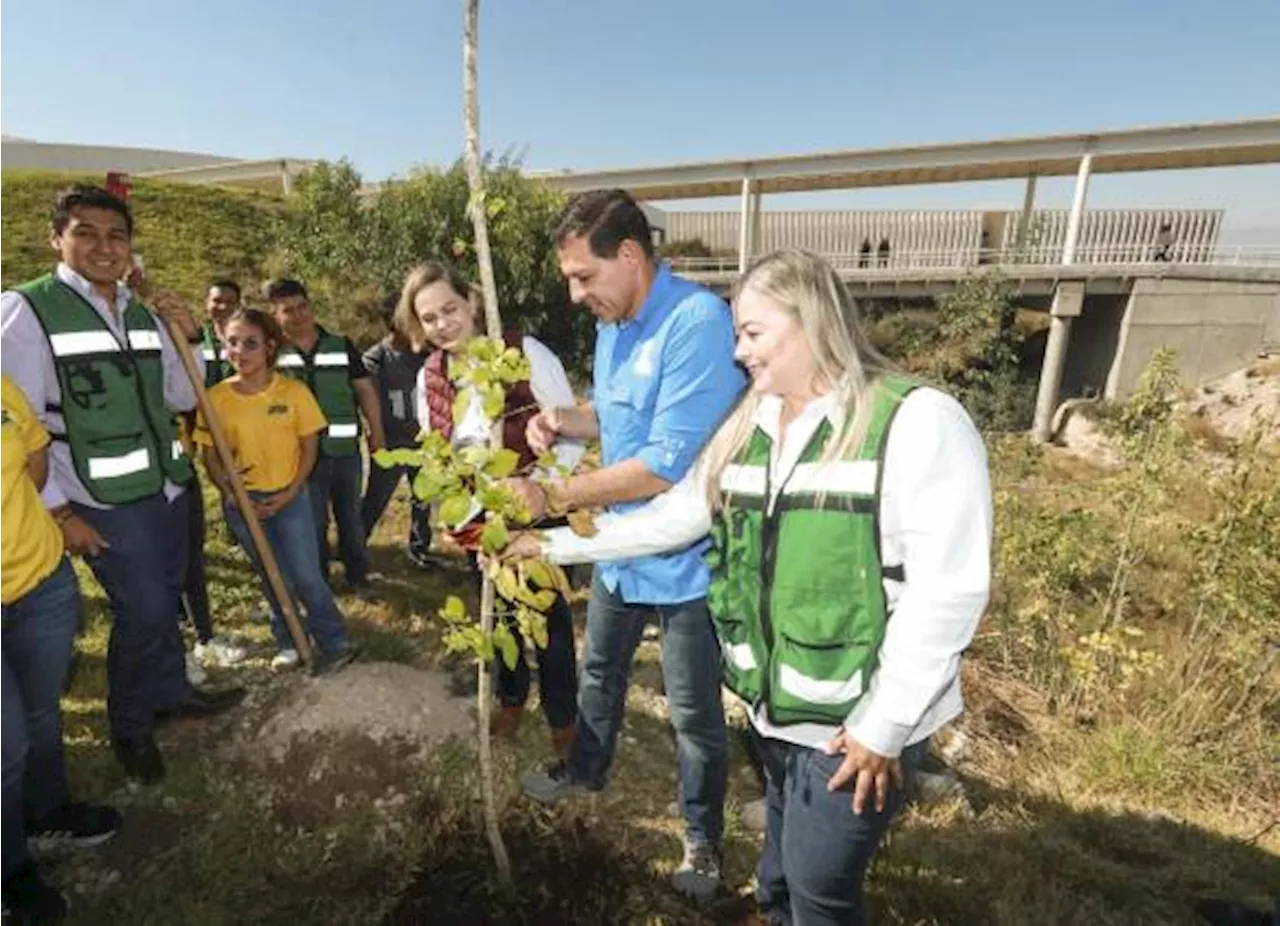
(41, 616)
(273, 425)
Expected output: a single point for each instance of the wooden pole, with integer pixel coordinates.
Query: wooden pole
(265, 555)
(493, 322)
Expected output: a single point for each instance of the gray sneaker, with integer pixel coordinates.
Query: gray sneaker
(551, 784)
(698, 876)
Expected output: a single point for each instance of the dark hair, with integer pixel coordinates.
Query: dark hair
(84, 194)
(264, 322)
(285, 289)
(607, 218)
(387, 309)
(227, 284)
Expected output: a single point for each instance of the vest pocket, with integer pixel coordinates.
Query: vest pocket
(825, 679)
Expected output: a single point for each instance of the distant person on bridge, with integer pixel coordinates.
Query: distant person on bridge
(1164, 243)
(849, 509)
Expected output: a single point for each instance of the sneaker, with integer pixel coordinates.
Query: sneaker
(29, 901)
(329, 663)
(698, 876)
(195, 672)
(285, 659)
(74, 824)
(552, 784)
(220, 652)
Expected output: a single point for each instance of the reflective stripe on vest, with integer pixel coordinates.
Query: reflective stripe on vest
(124, 465)
(73, 343)
(799, 595)
(344, 430)
(333, 359)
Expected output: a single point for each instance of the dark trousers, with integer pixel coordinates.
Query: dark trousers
(691, 676)
(557, 668)
(194, 590)
(335, 484)
(382, 484)
(142, 572)
(816, 850)
(39, 635)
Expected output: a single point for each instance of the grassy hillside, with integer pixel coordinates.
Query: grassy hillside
(186, 234)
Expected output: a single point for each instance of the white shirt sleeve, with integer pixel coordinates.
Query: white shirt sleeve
(670, 521)
(550, 386)
(179, 393)
(27, 360)
(936, 510)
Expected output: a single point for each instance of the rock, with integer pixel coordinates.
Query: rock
(755, 815)
(936, 787)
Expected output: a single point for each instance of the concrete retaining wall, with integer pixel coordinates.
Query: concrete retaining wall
(1216, 326)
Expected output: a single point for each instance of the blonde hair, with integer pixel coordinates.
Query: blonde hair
(405, 319)
(807, 288)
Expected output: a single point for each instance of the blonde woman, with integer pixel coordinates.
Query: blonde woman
(850, 515)
(439, 317)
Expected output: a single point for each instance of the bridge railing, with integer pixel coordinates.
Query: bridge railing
(1035, 256)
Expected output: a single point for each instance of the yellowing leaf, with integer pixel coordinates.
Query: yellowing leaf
(582, 523)
(538, 573)
(505, 643)
(506, 583)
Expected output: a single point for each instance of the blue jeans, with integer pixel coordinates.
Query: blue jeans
(691, 676)
(291, 533)
(143, 572)
(335, 482)
(816, 851)
(39, 635)
(382, 485)
(557, 669)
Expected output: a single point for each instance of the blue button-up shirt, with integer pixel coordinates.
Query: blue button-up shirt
(664, 381)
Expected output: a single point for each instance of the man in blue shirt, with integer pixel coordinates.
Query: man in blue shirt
(664, 378)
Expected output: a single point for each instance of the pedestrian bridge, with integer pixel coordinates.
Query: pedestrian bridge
(1219, 312)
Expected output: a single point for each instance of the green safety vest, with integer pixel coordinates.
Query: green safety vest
(797, 593)
(216, 367)
(326, 371)
(123, 438)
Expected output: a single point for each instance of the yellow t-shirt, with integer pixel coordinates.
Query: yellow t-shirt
(263, 430)
(32, 544)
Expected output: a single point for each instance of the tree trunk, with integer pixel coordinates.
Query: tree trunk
(493, 320)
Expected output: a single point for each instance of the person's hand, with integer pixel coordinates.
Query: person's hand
(176, 312)
(80, 537)
(867, 771)
(530, 494)
(270, 506)
(543, 429)
(523, 545)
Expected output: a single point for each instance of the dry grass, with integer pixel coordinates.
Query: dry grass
(1077, 817)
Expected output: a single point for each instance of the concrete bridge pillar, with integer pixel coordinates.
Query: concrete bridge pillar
(1067, 300)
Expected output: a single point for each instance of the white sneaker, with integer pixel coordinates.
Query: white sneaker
(195, 672)
(285, 659)
(221, 652)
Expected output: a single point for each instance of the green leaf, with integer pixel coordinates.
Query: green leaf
(506, 583)
(502, 464)
(495, 206)
(454, 509)
(454, 611)
(506, 644)
(494, 400)
(461, 402)
(400, 456)
(460, 247)
(539, 574)
(494, 537)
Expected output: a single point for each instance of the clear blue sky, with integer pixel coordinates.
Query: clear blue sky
(594, 84)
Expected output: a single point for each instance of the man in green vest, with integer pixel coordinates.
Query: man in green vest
(333, 369)
(105, 379)
(222, 299)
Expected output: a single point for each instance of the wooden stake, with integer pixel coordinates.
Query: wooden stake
(260, 543)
